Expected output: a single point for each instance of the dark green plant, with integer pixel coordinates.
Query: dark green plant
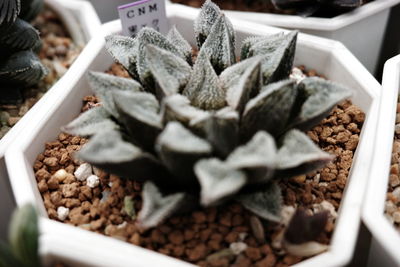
(19, 65)
(310, 7)
(208, 132)
(22, 250)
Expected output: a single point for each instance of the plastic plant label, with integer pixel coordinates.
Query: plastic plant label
(143, 13)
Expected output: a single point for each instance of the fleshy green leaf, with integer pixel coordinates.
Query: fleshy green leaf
(241, 82)
(209, 14)
(124, 50)
(7, 257)
(257, 157)
(9, 10)
(150, 36)
(24, 235)
(91, 122)
(204, 89)
(278, 51)
(299, 155)
(139, 114)
(108, 151)
(30, 9)
(170, 71)
(103, 85)
(178, 108)
(221, 129)
(179, 150)
(219, 45)
(19, 36)
(217, 180)
(270, 110)
(156, 207)
(320, 97)
(266, 202)
(22, 69)
(177, 39)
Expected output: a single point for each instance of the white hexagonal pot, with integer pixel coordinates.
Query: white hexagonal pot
(362, 30)
(386, 239)
(328, 57)
(82, 23)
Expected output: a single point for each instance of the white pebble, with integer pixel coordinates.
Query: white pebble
(317, 178)
(297, 75)
(61, 174)
(397, 128)
(238, 247)
(83, 172)
(286, 214)
(396, 193)
(62, 213)
(93, 181)
(325, 206)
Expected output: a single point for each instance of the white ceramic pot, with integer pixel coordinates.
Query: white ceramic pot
(108, 9)
(328, 57)
(82, 23)
(362, 30)
(386, 239)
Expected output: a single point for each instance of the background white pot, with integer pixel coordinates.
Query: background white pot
(386, 239)
(108, 9)
(82, 23)
(361, 30)
(328, 57)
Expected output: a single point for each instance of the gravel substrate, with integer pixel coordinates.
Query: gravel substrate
(76, 193)
(392, 205)
(57, 54)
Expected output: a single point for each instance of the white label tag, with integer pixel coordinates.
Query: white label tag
(143, 13)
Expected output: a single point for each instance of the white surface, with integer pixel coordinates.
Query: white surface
(383, 232)
(361, 30)
(64, 103)
(73, 13)
(108, 9)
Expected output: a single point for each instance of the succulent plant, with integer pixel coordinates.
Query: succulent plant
(19, 65)
(206, 132)
(310, 7)
(23, 240)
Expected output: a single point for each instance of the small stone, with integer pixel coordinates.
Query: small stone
(325, 206)
(397, 128)
(197, 253)
(390, 207)
(176, 237)
(83, 172)
(394, 180)
(257, 229)
(70, 190)
(199, 217)
(253, 253)
(52, 183)
(42, 185)
(51, 161)
(93, 181)
(396, 193)
(238, 247)
(62, 213)
(396, 216)
(286, 214)
(60, 175)
(13, 120)
(299, 179)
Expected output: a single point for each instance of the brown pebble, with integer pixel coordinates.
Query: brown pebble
(176, 237)
(253, 253)
(197, 253)
(52, 183)
(51, 161)
(257, 229)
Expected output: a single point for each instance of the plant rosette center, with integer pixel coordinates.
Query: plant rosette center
(236, 145)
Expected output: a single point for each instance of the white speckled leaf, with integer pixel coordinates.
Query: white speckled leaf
(257, 157)
(270, 110)
(278, 51)
(177, 108)
(139, 114)
(91, 122)
(219, 45)
(221, 129)
(177, 39)
(217, 180)
(242, 82)
(320, 96)
(266, 202)
(124, 50)
(299, 155)
(156, 207)
(103, 85)
(209, 14)
(170, 71)
(179, 150)
(203, 89)
(108, 151)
